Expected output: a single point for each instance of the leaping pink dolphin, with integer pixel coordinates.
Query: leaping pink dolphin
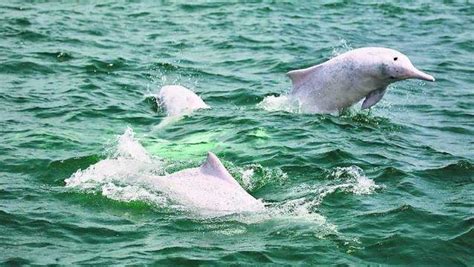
(348, 78)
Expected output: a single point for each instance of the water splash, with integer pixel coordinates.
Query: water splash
(280, 103)
(307, 198)
(301, 208)
(342, 47)
(255, 176)
(128, 147)
(171, 72)
(129, 193)
(120, 175)
(351, 179)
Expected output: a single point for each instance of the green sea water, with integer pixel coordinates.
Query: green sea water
(389, 186)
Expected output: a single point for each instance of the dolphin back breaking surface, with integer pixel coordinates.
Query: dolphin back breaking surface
(208, 188)
(178, 100)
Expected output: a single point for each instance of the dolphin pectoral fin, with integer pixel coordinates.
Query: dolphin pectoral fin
(298, 77)
(213, 166)
(373, 97)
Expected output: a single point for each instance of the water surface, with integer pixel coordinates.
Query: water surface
(389, 186)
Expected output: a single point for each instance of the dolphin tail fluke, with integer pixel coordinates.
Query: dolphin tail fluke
(213, 166)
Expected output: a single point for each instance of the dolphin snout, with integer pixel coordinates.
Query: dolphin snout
(418, 74)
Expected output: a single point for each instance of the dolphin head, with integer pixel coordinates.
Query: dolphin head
(395, 66)
(179, 100)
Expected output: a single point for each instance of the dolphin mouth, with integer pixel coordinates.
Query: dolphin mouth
(418, 74)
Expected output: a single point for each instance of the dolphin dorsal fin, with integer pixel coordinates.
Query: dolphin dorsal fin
(299, 77)
(214, 167)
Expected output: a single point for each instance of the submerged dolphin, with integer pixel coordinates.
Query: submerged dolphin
(348, 78)
(207, 188)
(178, 100)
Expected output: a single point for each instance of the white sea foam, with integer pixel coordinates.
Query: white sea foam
(254, 176)
(353, 180)
(121, 175)
(307, 198)
(285, 103)
(344, 179)
(246, 178)
(128, 147)
(280, 103)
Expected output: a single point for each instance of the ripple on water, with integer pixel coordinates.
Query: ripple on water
(25, 67)
(459, 173)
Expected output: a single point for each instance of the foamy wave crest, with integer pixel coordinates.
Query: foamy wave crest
(255, 176)
(352, 180)
(300, 214)
(280, 103)
(343, 179)
(129, 193)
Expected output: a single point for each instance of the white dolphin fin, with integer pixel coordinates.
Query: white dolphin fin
(299, 77)
(373, 97)
(214, 167)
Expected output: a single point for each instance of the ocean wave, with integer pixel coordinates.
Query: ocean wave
(25, 67)
(458, 172)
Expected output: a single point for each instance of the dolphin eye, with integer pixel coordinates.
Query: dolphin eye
(395, 58)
